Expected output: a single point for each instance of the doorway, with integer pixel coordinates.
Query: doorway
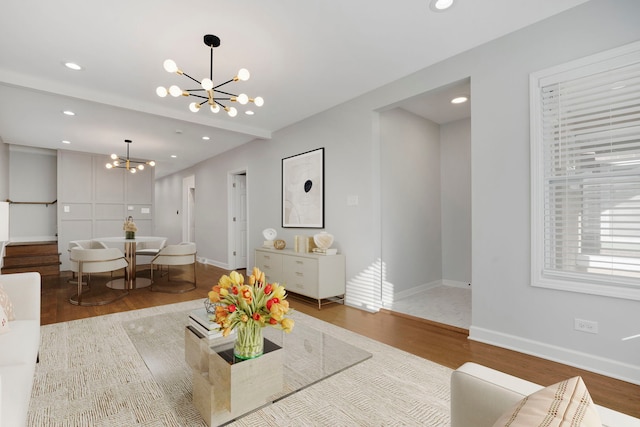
(425, 214)
(189, 209)
(238, 220)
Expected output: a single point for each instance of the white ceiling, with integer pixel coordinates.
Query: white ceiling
(304, 57)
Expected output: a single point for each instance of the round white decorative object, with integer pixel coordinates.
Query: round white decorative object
(323, 240)
(269, 233)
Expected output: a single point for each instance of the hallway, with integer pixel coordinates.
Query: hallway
(450, 305)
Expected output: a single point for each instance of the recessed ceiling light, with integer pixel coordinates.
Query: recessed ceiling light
(440, 5)
(206, 138)
(64, 141)
(173, 156)
(249, 113)
(73, 66)
(459, 100)
(68, 113)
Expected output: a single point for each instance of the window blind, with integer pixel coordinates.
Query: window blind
(589, 172)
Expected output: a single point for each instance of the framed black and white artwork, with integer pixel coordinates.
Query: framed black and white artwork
(303, 190)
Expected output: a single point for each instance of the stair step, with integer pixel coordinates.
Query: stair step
(31, 248)
(27, 261)
(44, 270)
(23, 257)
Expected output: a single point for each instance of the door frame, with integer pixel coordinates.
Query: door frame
(231, 231)
(188, 184)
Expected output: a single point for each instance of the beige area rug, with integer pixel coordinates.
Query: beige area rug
(90, 374)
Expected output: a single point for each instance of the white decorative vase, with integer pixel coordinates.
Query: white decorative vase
(323, 240)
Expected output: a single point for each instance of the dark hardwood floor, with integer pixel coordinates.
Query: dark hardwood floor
(442, 344)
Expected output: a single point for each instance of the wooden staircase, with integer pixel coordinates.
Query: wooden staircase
(42, 257)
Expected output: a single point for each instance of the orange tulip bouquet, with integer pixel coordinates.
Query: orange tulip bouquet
(247, 308)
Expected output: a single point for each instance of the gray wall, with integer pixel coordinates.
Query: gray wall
(94, 201)
(455, 171)
(4, 171)
(410, 201)
(507, 311)
(32, 177)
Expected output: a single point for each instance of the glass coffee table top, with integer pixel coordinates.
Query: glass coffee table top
(309, 354)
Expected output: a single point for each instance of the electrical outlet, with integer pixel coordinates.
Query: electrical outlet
(582, 325)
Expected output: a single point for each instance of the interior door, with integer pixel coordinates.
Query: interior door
(240, 220)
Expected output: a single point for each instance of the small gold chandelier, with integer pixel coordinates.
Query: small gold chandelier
(213, 95)
(126, 163)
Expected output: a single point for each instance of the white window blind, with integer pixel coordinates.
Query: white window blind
(586, 175)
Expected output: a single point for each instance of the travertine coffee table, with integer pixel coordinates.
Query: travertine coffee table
(225, 389)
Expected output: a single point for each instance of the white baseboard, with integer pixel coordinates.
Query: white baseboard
(213, 262)
(421, 288)
(416, 290)
(456, 284)
(600, 365)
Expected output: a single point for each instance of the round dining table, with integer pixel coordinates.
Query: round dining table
(129, 281)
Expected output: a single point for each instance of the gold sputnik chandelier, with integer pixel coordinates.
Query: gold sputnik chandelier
(209, 92)
(126, 163)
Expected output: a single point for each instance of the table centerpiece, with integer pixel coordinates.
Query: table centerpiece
(247, 308)
(129, 228)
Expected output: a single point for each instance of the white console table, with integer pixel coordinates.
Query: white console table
(321, 277)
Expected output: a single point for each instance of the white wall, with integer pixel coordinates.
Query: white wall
(507, 311)
(455, 170)
(4, 171)
(32, 177)
(410, 201)
(94, 201)
(168, 209)
(4, 187)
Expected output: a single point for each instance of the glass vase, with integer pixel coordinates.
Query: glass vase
(249, 342)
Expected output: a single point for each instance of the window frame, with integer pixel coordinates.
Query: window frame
(588, 283)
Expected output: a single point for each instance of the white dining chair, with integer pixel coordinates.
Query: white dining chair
(97, 260)
(150, 249)
(84, 244)
(174, 255)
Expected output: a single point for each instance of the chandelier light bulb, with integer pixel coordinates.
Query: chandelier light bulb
(109, 165)
(232, 112)
(161, 91)
(175, 91)
(215, 108)
(243, 74)
(242, 99)
(132, 170)
(151, 163)
(141, 167)
(194, 107)
(258, 101)
(116, 163)
(114, 156)
(207, 84)
(170, 66)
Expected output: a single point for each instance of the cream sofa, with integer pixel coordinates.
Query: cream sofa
(19, 347)
(480, 395)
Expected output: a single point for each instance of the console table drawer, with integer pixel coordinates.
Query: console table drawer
(271, 264)
(301, 275)
(316, 276)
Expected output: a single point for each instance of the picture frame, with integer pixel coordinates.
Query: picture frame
(303, 190)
